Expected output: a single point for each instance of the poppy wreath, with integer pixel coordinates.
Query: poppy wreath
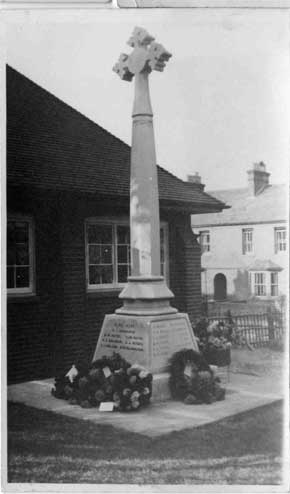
(192, 380)
(112, 379)
(214, 341)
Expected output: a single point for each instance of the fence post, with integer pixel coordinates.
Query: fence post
(270, 324)
(229, 316)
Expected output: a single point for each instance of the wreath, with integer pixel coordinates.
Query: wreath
(112, 379)
(192, 380)
(214, 341)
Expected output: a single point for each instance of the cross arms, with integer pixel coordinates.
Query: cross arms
(147, 55)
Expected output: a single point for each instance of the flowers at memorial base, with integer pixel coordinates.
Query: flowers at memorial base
(214, 341)
(111, 379)
(146, 391)
(143, 374)
(192, 380)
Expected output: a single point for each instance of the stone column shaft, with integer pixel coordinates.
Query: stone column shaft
(144, 202)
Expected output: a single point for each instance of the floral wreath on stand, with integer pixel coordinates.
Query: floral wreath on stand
(214, 341)
(192, 380)
(109, 379)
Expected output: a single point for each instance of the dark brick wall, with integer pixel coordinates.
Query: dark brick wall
(185, 266)
(32, 321)
(61, 324)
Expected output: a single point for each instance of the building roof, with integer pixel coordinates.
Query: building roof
(264, 265)
(50, 145)
(270, 205)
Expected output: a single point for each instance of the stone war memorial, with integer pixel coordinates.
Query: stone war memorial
(146, 329)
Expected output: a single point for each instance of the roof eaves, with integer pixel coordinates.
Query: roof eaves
(238, 223)
(218, 204)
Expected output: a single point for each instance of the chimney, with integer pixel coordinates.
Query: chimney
(258, 178)
(194, 179)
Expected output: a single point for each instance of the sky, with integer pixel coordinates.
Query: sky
(221, 104)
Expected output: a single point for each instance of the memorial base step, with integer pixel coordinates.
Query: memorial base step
(160, 387)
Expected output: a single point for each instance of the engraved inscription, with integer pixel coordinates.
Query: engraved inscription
(169, 336)
(123, 335)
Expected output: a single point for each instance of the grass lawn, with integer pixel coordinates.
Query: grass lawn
(243, 449)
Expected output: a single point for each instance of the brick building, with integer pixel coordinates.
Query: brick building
(68, 233)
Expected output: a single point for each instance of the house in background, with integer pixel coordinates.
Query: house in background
(244, 248)
(68, 253)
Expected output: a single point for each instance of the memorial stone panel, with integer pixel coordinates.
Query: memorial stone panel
(124, 335)
(148, 341)
(169, 336)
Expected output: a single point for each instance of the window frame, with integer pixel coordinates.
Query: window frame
(202, 234)
(271, 289)
(29, 290)
(277, 242)
(115, 222)
(274, 284)
(245, 242)
(260, 284)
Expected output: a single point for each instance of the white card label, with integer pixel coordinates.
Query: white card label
(106, 371)
(106, 406)
(214, 369)
(187, 370)
(72, 373)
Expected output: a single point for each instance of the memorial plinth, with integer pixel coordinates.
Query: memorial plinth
(146, 329)
(146, 340)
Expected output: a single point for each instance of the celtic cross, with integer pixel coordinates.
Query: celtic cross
(146, 56)
(145, 282)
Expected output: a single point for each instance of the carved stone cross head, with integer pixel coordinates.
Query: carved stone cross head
(147, 55)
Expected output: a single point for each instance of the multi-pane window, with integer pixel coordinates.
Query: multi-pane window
(247, 234)
(100, 254)
(123, 253)
(264, 283)
(274, 283)
(108, 253)
(204, 241)
(19, 256)
(280, 239)
(259, 284)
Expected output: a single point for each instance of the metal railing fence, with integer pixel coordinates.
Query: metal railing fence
(254, 329)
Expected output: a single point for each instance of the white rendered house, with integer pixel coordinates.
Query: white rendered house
(245, 247)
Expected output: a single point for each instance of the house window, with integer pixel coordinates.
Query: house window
(247, 240)
(274, 283)
(280, 239)
(204, 241)
(108, 253)
(19, 256)
(264, 283)
(259, 284)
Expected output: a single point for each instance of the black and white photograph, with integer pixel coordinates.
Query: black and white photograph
(145, 242)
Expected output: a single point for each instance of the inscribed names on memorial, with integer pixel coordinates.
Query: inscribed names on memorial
(169, 336)
(123, 334)
(148, 341)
